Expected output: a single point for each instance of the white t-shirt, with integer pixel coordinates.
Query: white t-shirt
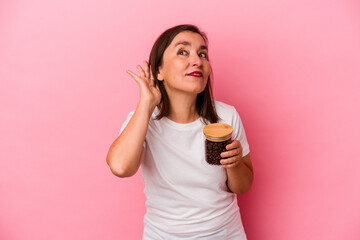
(186, 196)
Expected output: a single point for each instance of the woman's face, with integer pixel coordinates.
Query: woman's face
(185, 66)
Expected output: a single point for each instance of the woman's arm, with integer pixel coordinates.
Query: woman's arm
(239, 169)
(127, 151)
(240, 177)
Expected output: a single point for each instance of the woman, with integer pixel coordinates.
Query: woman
(186, 197)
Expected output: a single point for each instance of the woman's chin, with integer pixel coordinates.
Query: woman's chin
(191, 89)
(196, 88)
(195, 91)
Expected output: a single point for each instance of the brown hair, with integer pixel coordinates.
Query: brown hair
(204, 101)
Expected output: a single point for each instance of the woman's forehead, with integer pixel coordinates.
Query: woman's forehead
(188, 38)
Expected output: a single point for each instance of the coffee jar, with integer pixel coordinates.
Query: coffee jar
(217, 135)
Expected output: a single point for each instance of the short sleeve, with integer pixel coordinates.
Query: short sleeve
(239, 133)
(126, 123)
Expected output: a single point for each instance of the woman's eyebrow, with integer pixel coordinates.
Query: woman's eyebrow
(186, 43)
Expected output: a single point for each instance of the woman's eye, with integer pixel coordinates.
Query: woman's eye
(182, 52)
(203, 55)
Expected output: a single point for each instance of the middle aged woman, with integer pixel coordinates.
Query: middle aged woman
(187, 198)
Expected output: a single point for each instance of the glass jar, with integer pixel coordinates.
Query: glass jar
(217, 135)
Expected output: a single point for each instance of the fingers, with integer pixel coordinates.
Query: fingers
(141, 71)
(151, 75)
(233, 144)
(234, 148)
(231, 153)
(231, 161)
(144, 73)
(146, 70)
(232, 157)
(148, 74)
(231, 164)
(136, 77)
(152, 80)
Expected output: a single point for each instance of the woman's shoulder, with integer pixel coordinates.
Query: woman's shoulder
(153, 115)
(223, 108)
(227, 113)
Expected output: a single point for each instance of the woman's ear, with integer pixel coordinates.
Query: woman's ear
(159, 74)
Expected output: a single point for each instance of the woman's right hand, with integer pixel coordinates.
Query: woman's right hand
(150, 94)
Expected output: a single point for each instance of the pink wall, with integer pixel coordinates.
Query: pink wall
(291, 68)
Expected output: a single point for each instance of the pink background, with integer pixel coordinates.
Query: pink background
(291, 68)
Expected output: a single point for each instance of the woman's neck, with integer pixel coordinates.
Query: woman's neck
(183, 109)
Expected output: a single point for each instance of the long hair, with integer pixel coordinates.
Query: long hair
(204, 101)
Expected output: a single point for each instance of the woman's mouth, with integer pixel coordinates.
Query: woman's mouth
(195, 74)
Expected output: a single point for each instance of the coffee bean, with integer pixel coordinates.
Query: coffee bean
(213, 151)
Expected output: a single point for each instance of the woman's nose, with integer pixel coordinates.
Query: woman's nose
(195, 60)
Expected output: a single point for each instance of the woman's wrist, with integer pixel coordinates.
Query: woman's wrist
(145, 108)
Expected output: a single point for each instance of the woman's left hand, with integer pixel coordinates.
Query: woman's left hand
(233, 154)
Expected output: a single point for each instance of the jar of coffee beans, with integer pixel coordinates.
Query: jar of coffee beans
(218, 135)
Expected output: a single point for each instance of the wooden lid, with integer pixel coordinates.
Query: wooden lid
(217, 130)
